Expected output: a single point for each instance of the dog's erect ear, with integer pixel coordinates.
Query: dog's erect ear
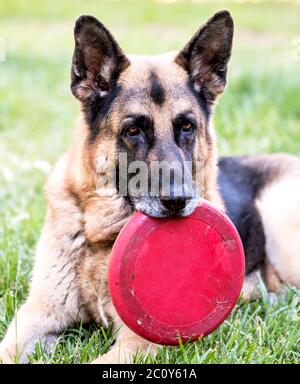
(97, 61)
(206, 55)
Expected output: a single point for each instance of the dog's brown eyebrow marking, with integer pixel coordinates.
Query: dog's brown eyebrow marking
(136, 116)
(187, 112)
(157, 91)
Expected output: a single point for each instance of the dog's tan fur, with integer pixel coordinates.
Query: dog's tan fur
(69, 282)
(278, 205)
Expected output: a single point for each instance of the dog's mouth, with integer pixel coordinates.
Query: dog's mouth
(154, 207)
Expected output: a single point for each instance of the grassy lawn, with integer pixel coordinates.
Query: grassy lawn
(260, 112)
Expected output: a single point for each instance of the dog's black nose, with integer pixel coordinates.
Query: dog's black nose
(174, 203)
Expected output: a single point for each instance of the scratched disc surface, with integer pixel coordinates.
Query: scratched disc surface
(176, 278)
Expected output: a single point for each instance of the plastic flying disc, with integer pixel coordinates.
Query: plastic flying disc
(176, 279)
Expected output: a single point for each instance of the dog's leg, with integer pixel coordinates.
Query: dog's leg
(250, 290)
(34, 323)
(53, 302)
(273, 281)
(251, 286)
(40, 320)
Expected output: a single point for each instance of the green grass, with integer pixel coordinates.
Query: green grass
(260, 112)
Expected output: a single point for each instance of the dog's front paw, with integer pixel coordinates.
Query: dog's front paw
(115, 356)
(127, 354)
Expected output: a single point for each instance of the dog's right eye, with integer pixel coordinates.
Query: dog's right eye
(133, 130)
(137, 128)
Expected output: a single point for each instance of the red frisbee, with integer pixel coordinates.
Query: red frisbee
(176, 278)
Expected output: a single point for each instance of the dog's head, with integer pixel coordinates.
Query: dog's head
(150, 116)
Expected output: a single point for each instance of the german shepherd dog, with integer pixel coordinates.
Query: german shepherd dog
(150, 108)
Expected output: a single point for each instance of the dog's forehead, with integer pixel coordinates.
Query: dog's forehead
(153, 71)
(155, 82)
(163, 66)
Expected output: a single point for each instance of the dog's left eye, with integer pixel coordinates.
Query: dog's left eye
(187, 127)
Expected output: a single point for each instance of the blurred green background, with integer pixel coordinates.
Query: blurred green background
(259, 112)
